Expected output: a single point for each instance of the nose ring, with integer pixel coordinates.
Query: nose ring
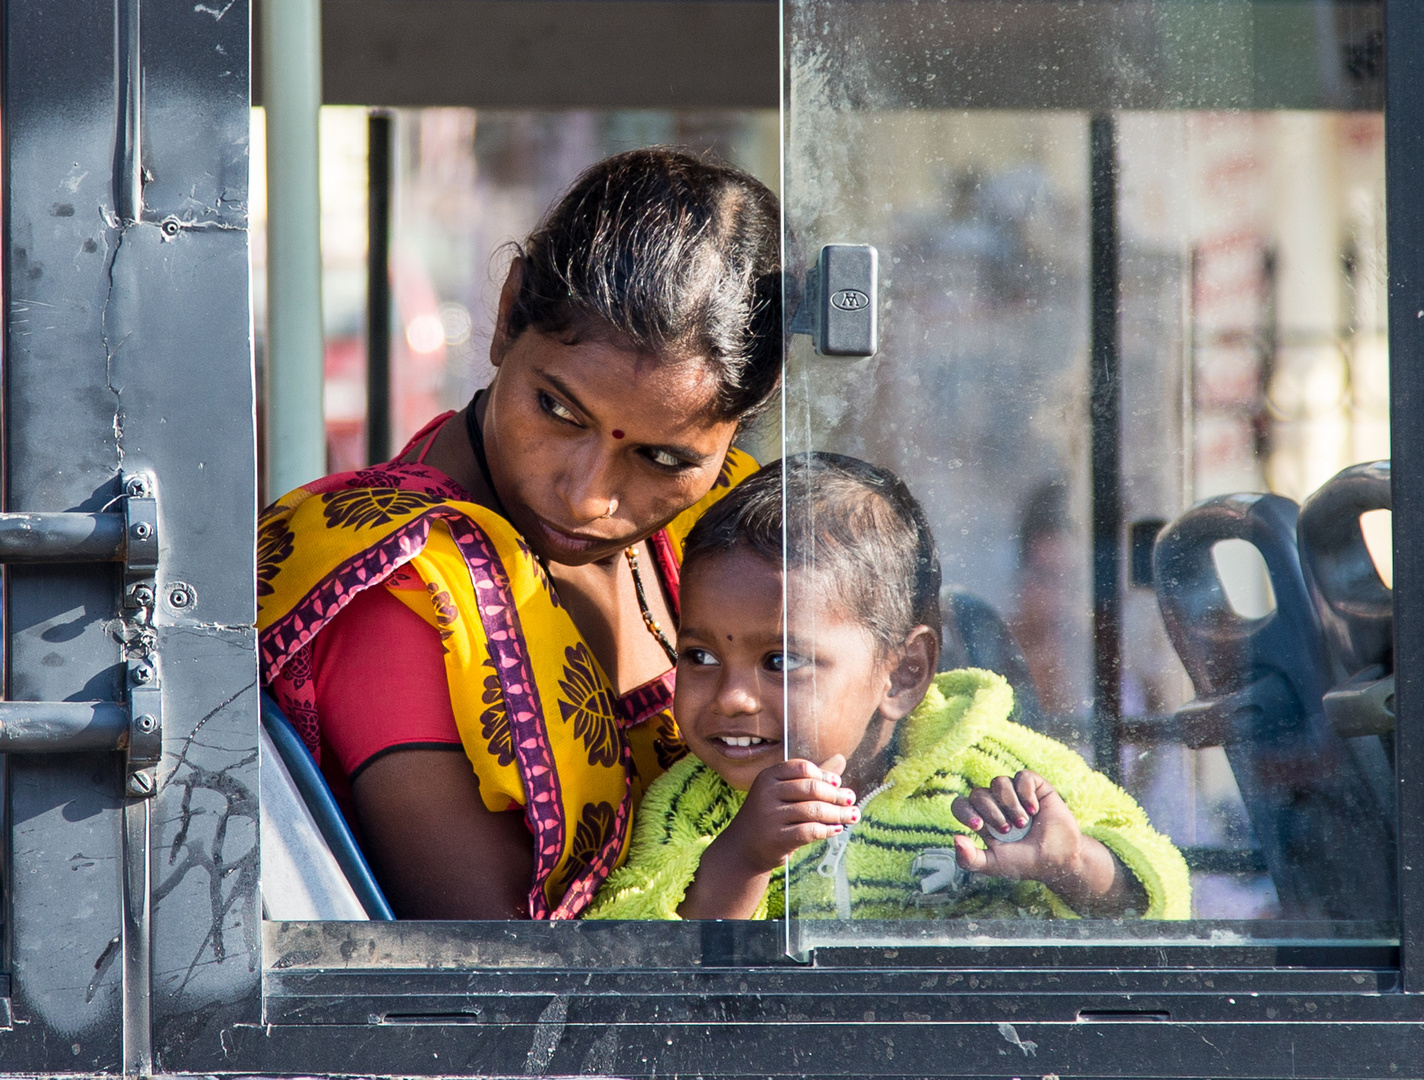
(612, 507)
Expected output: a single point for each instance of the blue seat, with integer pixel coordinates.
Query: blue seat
(316, 847)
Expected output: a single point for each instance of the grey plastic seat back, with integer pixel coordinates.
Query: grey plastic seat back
(301, 879)
(1355, 607)
(1315, 802)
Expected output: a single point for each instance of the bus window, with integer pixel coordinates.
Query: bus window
(1121, 305)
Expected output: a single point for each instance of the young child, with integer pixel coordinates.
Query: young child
(906, 795)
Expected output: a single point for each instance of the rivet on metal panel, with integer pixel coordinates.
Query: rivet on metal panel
(171, 227)
(146, 723)
(142, 530)
(181, 595)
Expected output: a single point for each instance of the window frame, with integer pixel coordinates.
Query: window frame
(723, 998)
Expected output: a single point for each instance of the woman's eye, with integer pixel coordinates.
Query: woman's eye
(664, 460)
(697, 657)
(556, 409)
(781, 663)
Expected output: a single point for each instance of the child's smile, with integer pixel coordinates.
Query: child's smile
(728, 667)
(736, 674)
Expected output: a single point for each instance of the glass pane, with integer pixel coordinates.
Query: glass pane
(1131, 265)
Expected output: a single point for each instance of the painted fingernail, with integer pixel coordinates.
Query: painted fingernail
(833, 780)
(1020, 822)
(1004, 827)
(854, 815)
(837, 828)
(976, 823)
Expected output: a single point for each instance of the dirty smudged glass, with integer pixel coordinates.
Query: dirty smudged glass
(1131, 263)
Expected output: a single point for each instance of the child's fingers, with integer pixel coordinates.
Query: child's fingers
(795, 768)
(1002, 789)
(988, 806)
(1031, 789)
(808, 833)
(835, 765)
(964, 811)
(970, 857)
(827, 813)
(800, 768)
(804, 789)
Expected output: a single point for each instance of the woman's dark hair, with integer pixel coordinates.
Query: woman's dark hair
(672, 254)
(853, 525)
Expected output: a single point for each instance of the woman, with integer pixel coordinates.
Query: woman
(508, 585)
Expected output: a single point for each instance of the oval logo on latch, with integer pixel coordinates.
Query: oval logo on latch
(850, 300)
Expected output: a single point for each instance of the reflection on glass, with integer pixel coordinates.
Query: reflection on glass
(1245, 352)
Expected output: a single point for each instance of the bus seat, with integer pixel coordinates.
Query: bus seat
(1354, 605)
(311, 866)
(975, 635)
(1314, 804)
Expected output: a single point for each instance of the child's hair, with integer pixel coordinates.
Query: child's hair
(672, 253)
(853, 525)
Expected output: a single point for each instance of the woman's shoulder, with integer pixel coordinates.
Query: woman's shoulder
(325, 541)
(737, 467)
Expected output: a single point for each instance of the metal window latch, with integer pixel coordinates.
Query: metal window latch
(128, 535)
(840, 306)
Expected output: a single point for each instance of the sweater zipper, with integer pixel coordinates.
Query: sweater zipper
(833, 865)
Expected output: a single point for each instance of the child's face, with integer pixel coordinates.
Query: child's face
(733, 666)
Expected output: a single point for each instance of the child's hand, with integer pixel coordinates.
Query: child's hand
(1076, 867)
(1009, 805)
(789, 806)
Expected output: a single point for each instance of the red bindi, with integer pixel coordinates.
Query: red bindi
(617, 433)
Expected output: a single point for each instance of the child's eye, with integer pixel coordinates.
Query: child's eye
(556, 409)
(781, 663)
(697, 657)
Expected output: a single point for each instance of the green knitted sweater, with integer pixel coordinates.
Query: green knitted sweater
(898, 861)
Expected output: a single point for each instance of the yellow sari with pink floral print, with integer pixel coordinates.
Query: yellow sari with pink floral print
(537, 716)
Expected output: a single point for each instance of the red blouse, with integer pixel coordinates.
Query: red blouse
(380, 679)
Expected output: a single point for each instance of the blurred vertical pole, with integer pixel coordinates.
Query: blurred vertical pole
(1106, 443)
(291, 95)
(378, 287)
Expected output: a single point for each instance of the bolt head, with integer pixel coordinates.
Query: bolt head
(136, 486)
(143, 595)
(140, 783)
(142, 674)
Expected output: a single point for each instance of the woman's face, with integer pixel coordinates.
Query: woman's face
(573, 431)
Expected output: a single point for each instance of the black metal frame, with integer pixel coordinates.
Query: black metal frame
(509, 999)
(380, 162)
(1105, 451)
(1404, 164)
